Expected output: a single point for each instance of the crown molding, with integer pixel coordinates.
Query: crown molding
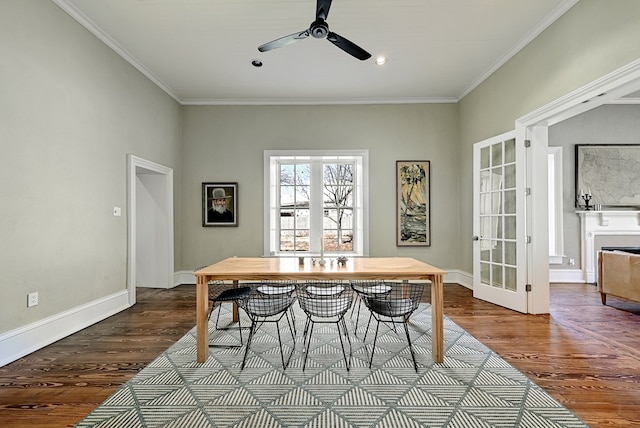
(528, 38)
(358, 101)
(83, 20)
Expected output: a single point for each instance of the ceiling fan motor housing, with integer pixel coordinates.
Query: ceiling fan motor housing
(319, 29)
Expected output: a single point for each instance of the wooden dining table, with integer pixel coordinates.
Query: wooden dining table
(237, 269)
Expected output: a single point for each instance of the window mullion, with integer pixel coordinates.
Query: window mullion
(316, 207)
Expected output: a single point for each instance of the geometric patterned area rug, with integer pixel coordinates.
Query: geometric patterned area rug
(473, 387)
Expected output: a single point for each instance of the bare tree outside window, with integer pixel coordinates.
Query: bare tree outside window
(295, 194)
(338, 207)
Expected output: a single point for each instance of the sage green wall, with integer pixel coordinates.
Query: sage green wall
(226, 143)
(592, 39)
(70, 111)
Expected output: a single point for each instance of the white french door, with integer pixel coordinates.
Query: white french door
(499, 229)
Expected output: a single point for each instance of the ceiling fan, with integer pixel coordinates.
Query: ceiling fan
(319, 29)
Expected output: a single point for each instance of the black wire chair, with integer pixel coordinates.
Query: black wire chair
(394, 307)
(220, 293)
(325, 302)
(366, 288)
(263, 305)
(275, 287)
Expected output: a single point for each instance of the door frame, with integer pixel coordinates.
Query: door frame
(135, 166)
(534, 127)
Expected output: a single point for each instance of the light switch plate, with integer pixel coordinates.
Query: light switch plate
(117, 211)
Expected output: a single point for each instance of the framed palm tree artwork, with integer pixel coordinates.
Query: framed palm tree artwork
(413, 205)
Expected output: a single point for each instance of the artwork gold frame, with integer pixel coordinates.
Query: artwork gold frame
(413, 204)
(227, 214)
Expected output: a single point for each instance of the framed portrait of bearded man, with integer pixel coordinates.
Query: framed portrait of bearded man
(219, 204)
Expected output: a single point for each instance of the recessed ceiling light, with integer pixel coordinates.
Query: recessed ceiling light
(256, 63)
(381, 60)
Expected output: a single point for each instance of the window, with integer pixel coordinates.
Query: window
(554, 192)
(316, 201)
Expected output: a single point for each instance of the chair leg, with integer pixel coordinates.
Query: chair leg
(346, 333)
(252, 330)
(293, 317)
(364, 339)
(375, 338)
(307, 343)
(218, 317)
(357, 316)
(306, 329)
(413, 355)
(226, 328)
(284, 367)
(292, 325)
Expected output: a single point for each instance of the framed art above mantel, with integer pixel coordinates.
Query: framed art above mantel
(610, 173)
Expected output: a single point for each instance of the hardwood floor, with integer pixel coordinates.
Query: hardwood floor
(584, 354)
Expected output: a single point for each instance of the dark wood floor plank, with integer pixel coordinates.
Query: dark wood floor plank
(584, 354)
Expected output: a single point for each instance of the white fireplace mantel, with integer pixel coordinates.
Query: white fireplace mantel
(601, 223)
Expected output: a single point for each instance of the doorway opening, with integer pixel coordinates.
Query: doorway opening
(150, 255)
(535, 126)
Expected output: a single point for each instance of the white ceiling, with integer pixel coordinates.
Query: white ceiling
(200, 51)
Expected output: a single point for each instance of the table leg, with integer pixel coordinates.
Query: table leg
(236, 315)
(437, 318)
(202, 331)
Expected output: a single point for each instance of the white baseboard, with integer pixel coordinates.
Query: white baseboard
(463, 278)
(22, 341)
(183, 277)
(566, 275)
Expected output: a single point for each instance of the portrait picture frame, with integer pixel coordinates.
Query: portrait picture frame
(413, 203)
(226, 216)
(608, 174)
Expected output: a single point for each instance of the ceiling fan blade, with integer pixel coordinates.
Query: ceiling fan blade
(284, 41)
(348, 46)
(322, 9)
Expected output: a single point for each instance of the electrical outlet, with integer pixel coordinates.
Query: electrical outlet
(572, 262)
(32, 299)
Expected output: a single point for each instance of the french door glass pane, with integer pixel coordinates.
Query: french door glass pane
(485, 226)
(510, 227)
(510, 252)
(510, 202)
(510, 151)
(497, 252)
(484, 158)
(485, 273)
(510, 177)
(496, 273)
(485, 254)
(510, 278)
(496, 154)
(496, 182)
